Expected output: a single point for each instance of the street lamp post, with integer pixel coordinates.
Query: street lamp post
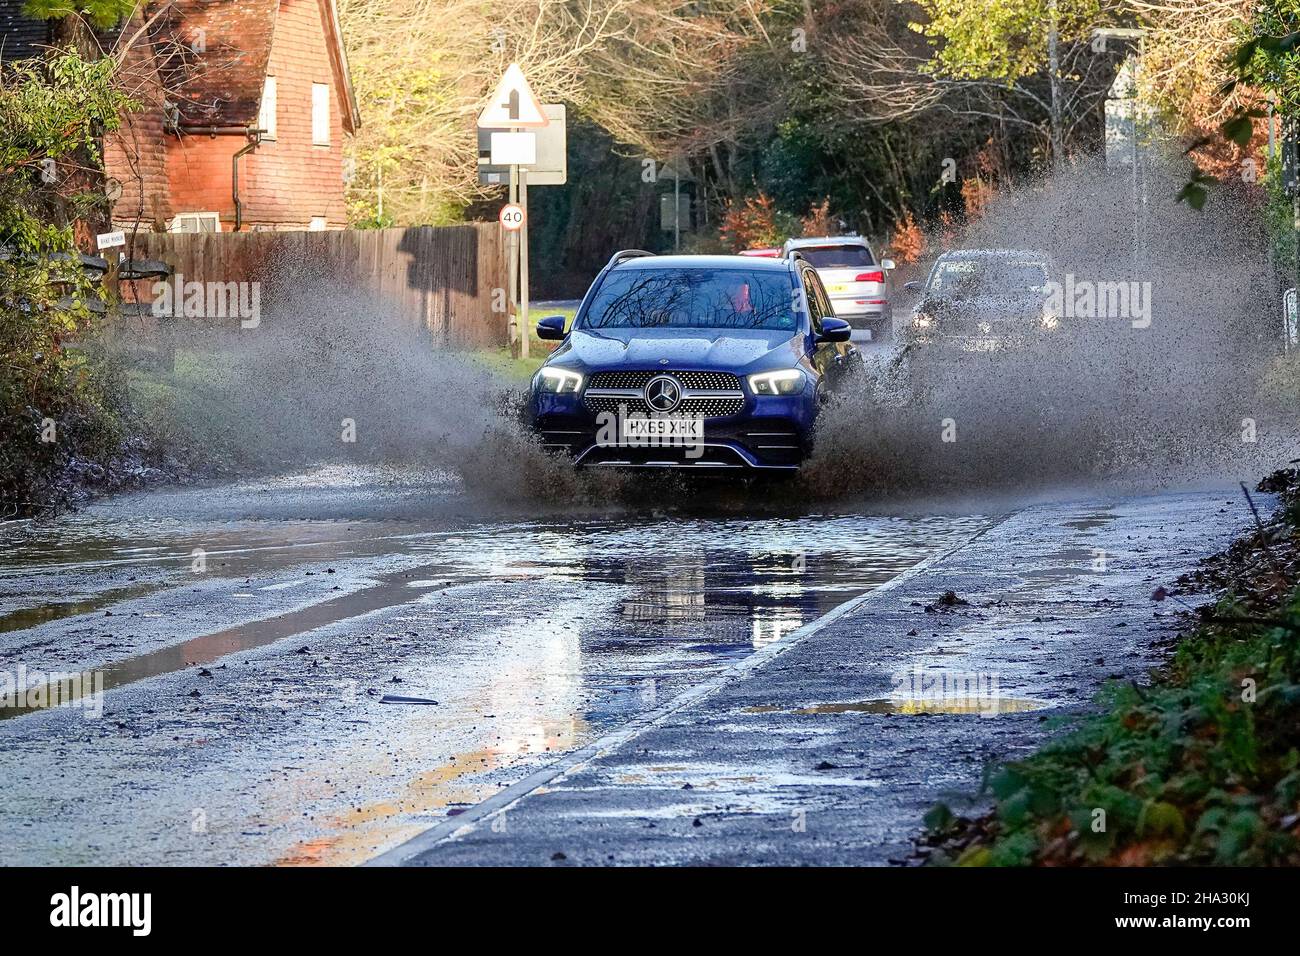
(1139, 175)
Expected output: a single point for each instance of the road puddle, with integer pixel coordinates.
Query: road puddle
(983, 707)
(1090, 522)
(392, 589)
(549, 632)
(55, 611)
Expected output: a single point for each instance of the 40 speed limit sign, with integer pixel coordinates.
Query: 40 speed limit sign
(512, 217)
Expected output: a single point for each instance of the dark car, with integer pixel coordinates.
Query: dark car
(700, 362)
(983, 300)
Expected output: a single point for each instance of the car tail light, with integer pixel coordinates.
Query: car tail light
(870, 277)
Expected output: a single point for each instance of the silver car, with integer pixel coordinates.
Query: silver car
(856, 281)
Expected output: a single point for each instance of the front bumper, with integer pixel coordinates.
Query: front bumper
(760, 432)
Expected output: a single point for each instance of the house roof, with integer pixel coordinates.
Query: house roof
(21, 36)
(214, 53)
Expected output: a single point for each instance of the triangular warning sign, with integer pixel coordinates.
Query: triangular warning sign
(513, 104)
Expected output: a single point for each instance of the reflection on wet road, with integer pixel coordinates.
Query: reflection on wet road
(247, 635)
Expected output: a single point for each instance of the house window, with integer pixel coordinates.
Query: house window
(196, 222)
(266, 117)
(320, 114)
(317, 224)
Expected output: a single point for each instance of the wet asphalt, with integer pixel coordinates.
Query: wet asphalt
(317, 668)
(829, 746)
(352, 665)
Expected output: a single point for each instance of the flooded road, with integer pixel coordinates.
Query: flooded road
(831, 746)
(312, 669)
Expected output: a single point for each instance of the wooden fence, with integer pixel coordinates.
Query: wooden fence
(440, 277)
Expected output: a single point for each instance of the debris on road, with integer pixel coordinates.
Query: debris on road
(395, 699)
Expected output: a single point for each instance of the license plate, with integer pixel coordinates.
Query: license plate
(832, 289)
(669, 428)
(980, 345)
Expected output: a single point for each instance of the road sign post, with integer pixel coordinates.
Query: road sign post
(512, 265)
(1290, 325)
(677, 210)
(523, 265)
(513, 108)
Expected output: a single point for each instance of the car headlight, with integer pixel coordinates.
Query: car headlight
(560, 381)
(786, 381)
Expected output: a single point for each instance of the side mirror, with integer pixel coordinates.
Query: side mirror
(913, 286)
(835, 330)
(551, 327)
(887, 265)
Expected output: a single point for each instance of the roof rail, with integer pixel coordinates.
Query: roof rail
(626, 254)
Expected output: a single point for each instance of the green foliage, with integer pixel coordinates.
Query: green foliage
(605, 206)
(375, 221)
(51, 114)
(1268, 59)
(999, 39)
(102, 14)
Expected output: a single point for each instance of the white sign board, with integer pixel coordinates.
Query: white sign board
(513, 104)
(108, 240)
(512, 217)
(551, 167)
(1290, 327)
(514, 149)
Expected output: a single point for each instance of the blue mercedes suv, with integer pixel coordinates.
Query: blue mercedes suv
(700, 362)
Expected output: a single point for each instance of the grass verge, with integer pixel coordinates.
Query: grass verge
(517, 370)
(1201, 767)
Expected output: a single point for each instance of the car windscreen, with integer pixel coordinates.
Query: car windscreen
(978, 278)
(696, 298)
(837, 257)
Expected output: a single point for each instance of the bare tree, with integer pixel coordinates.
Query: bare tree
(655, 73)
(1185, 52)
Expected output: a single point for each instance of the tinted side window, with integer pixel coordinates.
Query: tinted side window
(812, 288)
(824, 297)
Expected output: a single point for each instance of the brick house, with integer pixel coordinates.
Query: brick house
(223, 69)
(210, 74)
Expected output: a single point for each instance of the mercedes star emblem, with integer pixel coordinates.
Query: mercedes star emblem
(662, 393)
